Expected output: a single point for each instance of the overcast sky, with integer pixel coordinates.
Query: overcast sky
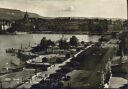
(77, 8)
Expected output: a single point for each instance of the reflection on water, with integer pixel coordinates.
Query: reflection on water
(15, 41)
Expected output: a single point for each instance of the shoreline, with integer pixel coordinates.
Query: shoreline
(52, 32)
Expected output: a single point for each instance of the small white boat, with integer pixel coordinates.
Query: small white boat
(20, 33)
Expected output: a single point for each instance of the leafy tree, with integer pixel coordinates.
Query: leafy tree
(118, 25)
(63, 44)
(44, 45)
(82, 42)
(44, 59)
(90, 26)
(74, 41)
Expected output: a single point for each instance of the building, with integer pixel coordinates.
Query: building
(26, 16)
(5, 24)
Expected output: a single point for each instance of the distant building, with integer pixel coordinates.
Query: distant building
(5, 24)
(26, 16)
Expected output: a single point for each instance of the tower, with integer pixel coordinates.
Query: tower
(26, 16)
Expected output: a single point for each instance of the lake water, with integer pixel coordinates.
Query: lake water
(15, 41)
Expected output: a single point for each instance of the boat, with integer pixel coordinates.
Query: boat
(19, 33)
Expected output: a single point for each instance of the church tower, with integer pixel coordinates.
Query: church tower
(26, 16)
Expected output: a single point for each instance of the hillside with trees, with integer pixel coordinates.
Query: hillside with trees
(12, 14)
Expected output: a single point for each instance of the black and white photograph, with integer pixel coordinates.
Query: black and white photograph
(63, 44)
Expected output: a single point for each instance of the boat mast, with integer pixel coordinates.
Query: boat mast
(21, 46)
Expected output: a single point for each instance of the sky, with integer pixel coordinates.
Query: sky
(70, 8)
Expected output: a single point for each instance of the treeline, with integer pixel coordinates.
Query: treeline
(62, 44)
(66, 24)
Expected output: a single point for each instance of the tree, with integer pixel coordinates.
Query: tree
(44, 59)
(63, 44)
(51, 43)
(74, 41)
(118, 25)
(44, 45)
(91, 26)
(82, 42)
